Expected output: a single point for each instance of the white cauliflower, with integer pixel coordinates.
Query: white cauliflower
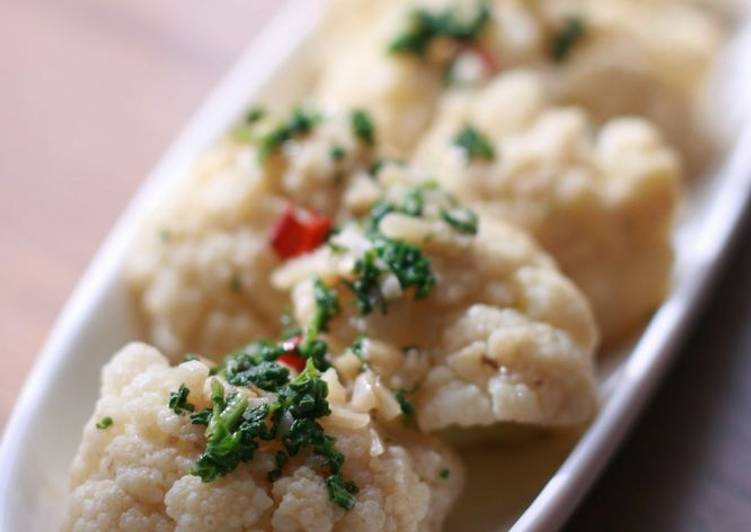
(649, 58)
(498, 334)
(361, 66)
(611, 57)
(601, 202)
(199, 270)
(135, 473)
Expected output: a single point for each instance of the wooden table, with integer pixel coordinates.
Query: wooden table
(92, 92)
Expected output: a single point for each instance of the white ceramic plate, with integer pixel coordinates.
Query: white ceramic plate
(548, 476)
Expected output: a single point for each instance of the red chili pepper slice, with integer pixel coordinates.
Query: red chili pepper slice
(490, 62)
(294, 234)
(291, 357)
(294, 361)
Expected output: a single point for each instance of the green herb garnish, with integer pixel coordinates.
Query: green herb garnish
(327, 306)
(367, 284)
(290, 328)
(341, 492)
(299, 124)
(201, 418)
(409, 265)
(357, 346)
(178, 401)
(414, 202)
(376, 166)
(104, 423)
(444, 473)
(255, 114)
(405, 261)
(461, 219)
(231, 434)
(426, 26)
(235, 429)
(315, 350)
(255, 364)
(244, 132)
(573, 30)
(337, 153)
(408, 409)
(362, 126)
(475, 144)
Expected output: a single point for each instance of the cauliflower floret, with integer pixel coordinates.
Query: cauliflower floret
(601, 203)
(199, 270)
(498, 333)
(135, 474)
(403, 86)
(648, 57)
(509, 369)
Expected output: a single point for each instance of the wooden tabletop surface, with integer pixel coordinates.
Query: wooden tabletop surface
(92, 92)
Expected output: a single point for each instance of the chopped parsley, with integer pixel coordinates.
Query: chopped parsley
(367, 284)
(573, 30)
(235, 430)
(377, 165)
(425, 26)
(341, 491)
(357, 346)
(474, 144)
(244, 130)
(405, 261)
(201, 418)
(444, 473)
(255, 114)
(255, 365)
(362, 126)
(337, 153)
(408, 409)
(315, 350)
(299, 124)
(290, 328)
(190, 356)
(178, 401)
(414, 201)
(408, 263)
(231, 434)
(327, 306)
(164, 234)
(104, 423)
(463, 220)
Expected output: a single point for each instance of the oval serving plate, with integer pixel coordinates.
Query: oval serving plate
(546, 477)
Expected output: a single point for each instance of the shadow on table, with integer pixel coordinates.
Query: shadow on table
(687, 464)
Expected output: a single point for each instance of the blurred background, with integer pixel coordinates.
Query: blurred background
(92, 93)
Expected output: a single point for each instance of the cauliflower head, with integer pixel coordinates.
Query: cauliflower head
(465, 315)
(199, 269)
(611, 57)
(406, 52)
(600, 201)
(135, 474)
(650, 58)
